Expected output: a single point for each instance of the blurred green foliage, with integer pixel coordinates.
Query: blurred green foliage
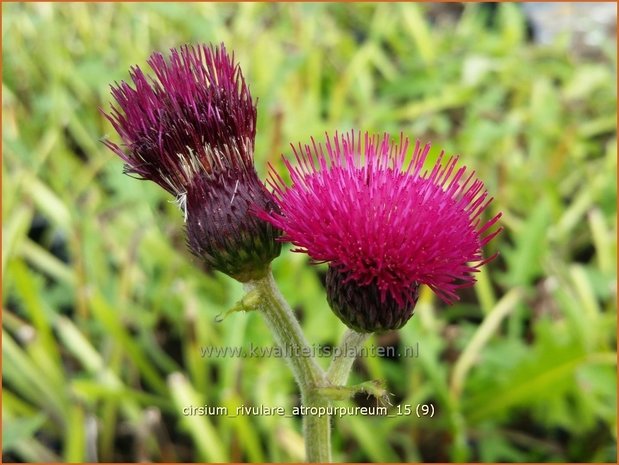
(104, 312)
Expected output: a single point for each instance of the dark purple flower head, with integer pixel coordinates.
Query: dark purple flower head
(195, 117)
(191, 129)
(384, 225)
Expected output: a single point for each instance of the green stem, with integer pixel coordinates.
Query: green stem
(309, 376)
(317, 430)
(345, 356)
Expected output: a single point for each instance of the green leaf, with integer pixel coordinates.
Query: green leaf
(17, 429)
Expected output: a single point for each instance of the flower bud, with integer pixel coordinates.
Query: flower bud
(362, 308)
(227, 235)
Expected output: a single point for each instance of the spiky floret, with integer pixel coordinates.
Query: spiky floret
(380, 221)
(195, 117)
(191, 129)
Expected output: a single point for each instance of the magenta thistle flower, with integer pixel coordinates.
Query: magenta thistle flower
(191, 129)
(383, 225)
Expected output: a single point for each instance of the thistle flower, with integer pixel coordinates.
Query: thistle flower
(384, 226)
(191, 129)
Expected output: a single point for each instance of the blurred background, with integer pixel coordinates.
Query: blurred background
(105, 312)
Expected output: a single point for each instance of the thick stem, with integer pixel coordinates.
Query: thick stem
(308, 375)
(317, 430)
(287, 332)
(345, 356)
